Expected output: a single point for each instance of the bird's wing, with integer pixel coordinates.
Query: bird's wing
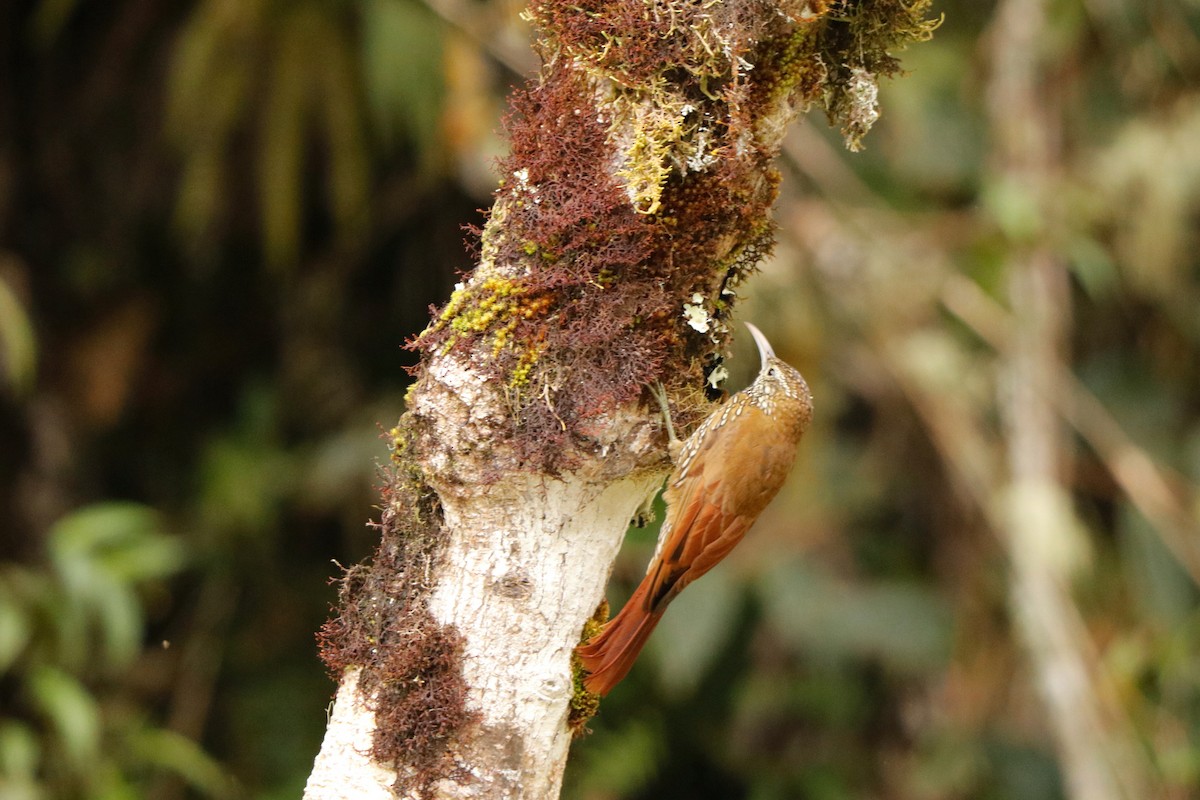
(700, 536)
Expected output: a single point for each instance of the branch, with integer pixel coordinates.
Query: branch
(1038, 525)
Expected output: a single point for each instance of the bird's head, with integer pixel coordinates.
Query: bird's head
(778, 383)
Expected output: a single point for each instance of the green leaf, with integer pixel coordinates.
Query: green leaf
(100, 554)
(119, 617)
(183, 757)
(93, 528)
(14, 628)
(124, 540)
(70, 710)
(19, 752)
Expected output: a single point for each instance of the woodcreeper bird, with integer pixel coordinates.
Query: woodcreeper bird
(725, 474)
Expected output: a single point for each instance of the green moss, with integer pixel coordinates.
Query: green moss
(493, 307)
(519, 375)
(584, 704)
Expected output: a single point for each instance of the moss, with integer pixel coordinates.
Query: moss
(584, 704)
(519, 376)
(410, 665)
(792, 64)
(640, 175)
(857, 44)
(495, 306)
(632, 42)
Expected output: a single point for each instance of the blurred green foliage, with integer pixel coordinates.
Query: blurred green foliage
(218, 221)
(67, 633)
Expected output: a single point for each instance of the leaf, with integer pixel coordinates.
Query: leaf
(14, 629)
(70, 710)
(101, 553)
(183, 757)
(19, 752)
(120, 621)
(125, 540)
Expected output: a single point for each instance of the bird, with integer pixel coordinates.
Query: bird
(724, 475)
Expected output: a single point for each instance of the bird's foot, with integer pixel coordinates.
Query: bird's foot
(673, 443)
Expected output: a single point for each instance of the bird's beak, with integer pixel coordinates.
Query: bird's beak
(765, 351)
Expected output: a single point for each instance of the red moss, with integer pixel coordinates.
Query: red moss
(611, 282)
(410, 664)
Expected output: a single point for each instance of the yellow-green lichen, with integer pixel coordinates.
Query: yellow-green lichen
(493, 308)
(519, 376)
(649, 124)
(584, 704)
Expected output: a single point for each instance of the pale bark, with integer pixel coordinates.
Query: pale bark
(526, 563)
(344, 767)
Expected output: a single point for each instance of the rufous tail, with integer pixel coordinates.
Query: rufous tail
(608, 655)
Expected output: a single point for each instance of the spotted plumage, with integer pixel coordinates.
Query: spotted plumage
(725, 474)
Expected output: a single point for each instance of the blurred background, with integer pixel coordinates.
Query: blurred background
(220, 219)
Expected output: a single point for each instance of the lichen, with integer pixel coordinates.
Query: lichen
(584, 704)
(857, 44)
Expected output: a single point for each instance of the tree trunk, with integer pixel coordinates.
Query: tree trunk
(1039, 529)
(635, 201)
